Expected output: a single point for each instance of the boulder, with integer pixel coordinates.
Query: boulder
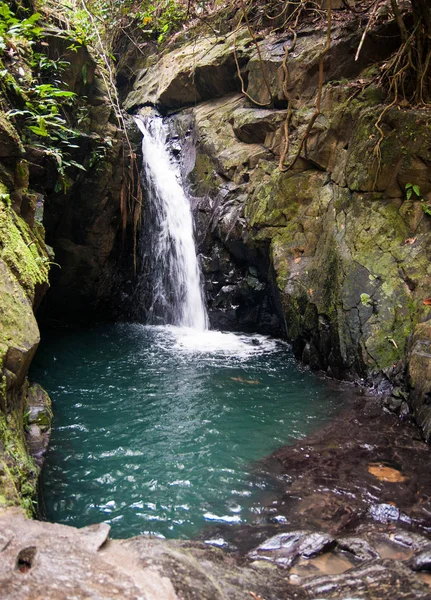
(194, 72)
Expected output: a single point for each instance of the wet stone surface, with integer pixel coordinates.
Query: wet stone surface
(353, 512)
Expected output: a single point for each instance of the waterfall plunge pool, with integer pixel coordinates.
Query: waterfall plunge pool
(158, 429)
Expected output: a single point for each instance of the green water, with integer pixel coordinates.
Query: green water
(158, 430)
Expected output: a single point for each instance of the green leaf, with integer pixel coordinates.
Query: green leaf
(417, 190)
(38, 130)
(72, 163)
(409, 193)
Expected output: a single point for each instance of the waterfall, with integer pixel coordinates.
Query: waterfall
(170, 253)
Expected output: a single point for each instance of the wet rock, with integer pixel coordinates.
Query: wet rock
(385, 513)
(385, 580)
(359, 547)
(38, 422)
(409, 539)
(422, 561)
(330, 481)
(284, 548)
(60, 562)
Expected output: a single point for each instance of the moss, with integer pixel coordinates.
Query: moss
(20, 249)
(18, 472)
(203, 176)
(9, 136)
(279, 198)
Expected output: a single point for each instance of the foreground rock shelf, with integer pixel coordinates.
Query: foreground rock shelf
(352, 516)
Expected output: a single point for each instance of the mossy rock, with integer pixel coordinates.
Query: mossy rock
(280, 197)
(204, 177)
(10, 142)
(18, 472)
(21, 250)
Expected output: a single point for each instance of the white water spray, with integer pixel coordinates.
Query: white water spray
(177, 297)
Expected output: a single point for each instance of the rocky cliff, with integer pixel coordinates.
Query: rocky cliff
(62, 166)
(336, 244)
(24, 266)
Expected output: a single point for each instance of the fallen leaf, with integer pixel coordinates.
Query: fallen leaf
(310, 291)
(255, 596)
(249, 381)
(384, 473)
(410, 241)
(297, 260)
(427, 301)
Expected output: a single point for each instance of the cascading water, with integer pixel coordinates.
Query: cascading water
(172, 264)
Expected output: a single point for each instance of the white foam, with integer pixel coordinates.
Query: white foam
(214, 342)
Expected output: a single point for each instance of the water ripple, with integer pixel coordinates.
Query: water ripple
(158, 429)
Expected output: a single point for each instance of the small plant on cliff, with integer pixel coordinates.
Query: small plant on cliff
(39, 94)
(11, 27)
(412, 189)
(161, 18)
(415, 189)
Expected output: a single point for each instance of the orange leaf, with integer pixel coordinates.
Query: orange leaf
(427, 301)
(410, 241)
(384, 473)
(297, 260)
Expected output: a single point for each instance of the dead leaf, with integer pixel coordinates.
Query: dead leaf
(394, 343)
(410, 241)
(249, 381)
(427, 301)
(310, 291)
(384, 473)
(297, 260)
(255, 596)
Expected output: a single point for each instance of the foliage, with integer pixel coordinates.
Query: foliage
(41, 97)
(11, 27)
(161, 18)
(412, 188)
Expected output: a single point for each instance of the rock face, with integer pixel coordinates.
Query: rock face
(56, 561)
(89, 220)
(23, 279)
(336, 246)
(190, 74)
